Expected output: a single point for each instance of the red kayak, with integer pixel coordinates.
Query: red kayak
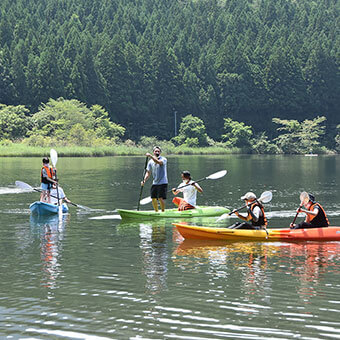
(207, 233)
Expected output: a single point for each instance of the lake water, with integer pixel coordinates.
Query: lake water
(81, 278)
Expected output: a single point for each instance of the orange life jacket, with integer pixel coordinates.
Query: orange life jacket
(50, 174)
(320, 220)
(262, 218)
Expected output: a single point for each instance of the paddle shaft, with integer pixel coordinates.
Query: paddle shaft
(183, 186)
(245, 206)
(142, 186)
(297, 213)
(57, 197)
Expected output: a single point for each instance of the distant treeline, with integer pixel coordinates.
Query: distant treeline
(149, 62)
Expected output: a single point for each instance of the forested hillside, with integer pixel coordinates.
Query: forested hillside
(145, 60)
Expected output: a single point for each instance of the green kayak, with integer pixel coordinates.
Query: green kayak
(173, 213)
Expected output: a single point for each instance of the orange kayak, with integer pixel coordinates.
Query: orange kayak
(207, 233)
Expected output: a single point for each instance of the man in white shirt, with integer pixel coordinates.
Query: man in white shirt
(189, 189)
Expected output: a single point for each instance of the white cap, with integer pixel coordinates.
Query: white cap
(249, 196)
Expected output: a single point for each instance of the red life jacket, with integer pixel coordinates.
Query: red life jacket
(320, 220)
(262, 218)
(50, 174)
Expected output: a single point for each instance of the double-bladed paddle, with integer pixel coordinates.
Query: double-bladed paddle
(265, 197)
(25, 186)
(54, 158)
(304, 198)
(215, 175)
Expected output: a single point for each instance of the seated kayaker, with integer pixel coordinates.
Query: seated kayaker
(47, 179)
(255, 215)
(315, 215)
(189, 189)
(54, 195)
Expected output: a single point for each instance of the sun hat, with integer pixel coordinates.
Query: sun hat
(249, 196)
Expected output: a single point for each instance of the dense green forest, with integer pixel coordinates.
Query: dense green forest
(151, 62)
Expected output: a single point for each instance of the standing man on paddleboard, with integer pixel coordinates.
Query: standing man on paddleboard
(157, 166)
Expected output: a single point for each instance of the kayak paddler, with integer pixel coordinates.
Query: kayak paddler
(60, 193)
(189, 192)
(315, 215)
(47, 177)
(157, 166)
(255, 215)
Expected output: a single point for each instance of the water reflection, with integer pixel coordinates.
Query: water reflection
(307, 262)
(50, 230)
(154, 255)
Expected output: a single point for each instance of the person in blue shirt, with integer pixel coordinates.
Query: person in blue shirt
(157, 166)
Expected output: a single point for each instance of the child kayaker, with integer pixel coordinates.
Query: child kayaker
(189, 189)
(47, 179)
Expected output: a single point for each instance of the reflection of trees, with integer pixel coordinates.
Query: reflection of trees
(154, 255)
(51, 231)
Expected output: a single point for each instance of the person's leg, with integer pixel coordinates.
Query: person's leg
(162, 203)
(155, 204)
(243, 225)
(43, 196)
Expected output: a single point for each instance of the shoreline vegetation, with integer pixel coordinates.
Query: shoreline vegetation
(21, 150)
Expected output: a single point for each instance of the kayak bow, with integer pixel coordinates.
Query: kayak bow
(43, 208)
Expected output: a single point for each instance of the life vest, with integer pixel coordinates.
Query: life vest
(320, 220)
(262, 221)
(50, 174)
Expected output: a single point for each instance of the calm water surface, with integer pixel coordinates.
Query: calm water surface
(80, 278)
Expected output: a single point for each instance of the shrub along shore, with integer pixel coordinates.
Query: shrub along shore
(20, 150)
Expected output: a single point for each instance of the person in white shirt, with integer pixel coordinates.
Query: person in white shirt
(54, 194)
(189, 189)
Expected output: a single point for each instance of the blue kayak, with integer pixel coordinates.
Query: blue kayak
(42, 208)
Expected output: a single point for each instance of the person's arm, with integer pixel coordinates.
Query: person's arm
(198, 187)
(254, 214)
(44, 173)
(155, 159)
(147, 175)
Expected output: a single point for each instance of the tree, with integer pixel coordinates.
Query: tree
(192, 132)
(14, 121)
(299, 137)
(237, 134)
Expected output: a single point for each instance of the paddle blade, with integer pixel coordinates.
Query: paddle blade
(266, 197)
(23, 185)
(222, 217)
(217, 175)
(54, 157)
(304, 198)
(145, 200)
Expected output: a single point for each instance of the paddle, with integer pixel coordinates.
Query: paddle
(265, 197)
(25, 186)
(215, 175)
(142, 186)
(304, 198)
(54, 158)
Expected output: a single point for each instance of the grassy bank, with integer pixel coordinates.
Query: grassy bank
(21, 150)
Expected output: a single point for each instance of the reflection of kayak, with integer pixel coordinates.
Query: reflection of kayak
(42, 208)
(173, 213)
(207, 233)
